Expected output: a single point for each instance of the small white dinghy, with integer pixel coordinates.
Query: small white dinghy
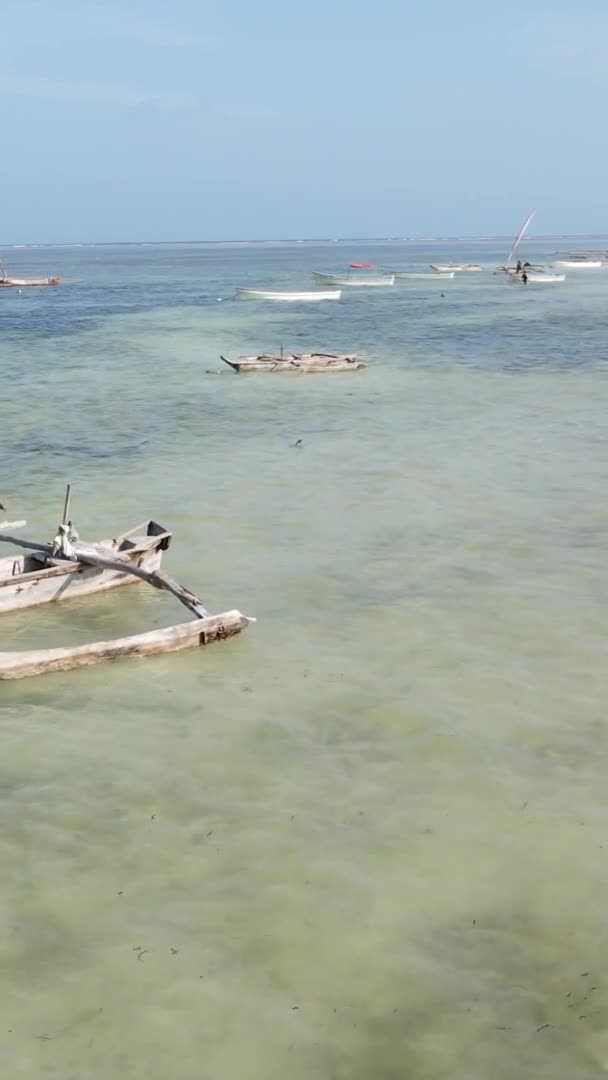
(298, 296)
(355, 281)
(579, 264)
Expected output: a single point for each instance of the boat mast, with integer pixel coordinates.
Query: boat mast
(519, 237)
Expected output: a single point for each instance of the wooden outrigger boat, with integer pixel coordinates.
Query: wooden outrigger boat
(8, 282)
(129, 557)
(36, 578)
(307, 363)
(27, 283)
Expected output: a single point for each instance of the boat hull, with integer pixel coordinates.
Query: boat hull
(436, 275)
(21, 665)
(28, 283)
(23, 584)
(356, 281)
(311, 364)
(463, 268)
(289, 297)
(578, 264)
(538, 279)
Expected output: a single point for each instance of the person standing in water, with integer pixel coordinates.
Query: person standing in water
(524, 278)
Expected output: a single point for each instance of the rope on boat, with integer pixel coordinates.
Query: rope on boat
(63, 544)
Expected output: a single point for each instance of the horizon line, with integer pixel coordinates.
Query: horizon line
(297, 240)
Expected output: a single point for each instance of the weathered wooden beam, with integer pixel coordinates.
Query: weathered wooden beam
(18, 542)
(156, 578)
(20, 665)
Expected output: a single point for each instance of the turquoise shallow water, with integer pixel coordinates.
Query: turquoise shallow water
(367, 838)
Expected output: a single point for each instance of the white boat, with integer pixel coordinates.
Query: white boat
(289, 296)
(444, 275)
(579, 264)
(447, 268)
(357, 280)
(536, 279)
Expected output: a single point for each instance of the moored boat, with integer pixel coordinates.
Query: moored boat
(8, 282)
(579, 264)
(289, 295)
(27, 283)
(36, 578)
(355, 280)
(425, 275)
(68, 567)
(446, 268)
(305, 363)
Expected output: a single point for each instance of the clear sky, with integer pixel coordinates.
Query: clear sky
(181, 120)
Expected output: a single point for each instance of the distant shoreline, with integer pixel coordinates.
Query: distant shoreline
(314, 242)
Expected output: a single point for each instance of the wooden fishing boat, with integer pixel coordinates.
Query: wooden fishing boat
(355, 280)
(579, 264)
(27, 283)
(306, 363)
(424, 275)
(70, 568)
(34, 578)
(296, 296)
(8, 282)
(513, 271)
(201, 631)
(447, 268)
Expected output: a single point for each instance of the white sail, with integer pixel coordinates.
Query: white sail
(519, 237)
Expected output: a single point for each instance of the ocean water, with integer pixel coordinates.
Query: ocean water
(367, 839)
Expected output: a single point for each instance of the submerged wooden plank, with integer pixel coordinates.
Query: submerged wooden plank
(21, 665)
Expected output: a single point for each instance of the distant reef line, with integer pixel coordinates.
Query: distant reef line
(548, 237)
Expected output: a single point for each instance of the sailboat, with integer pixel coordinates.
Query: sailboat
(8, 282)
(508, 267)
(526, 274)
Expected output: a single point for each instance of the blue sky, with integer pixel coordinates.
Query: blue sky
(148, 120)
